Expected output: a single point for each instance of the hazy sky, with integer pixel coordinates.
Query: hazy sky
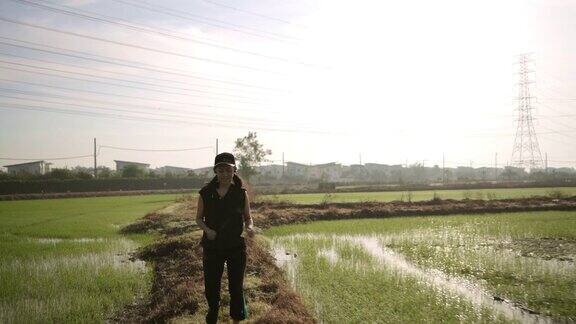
(322, 81)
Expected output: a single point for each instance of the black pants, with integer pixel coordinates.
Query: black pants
(213, 261)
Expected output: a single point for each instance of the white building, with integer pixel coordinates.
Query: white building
(294, 169)
(173, 170)
(37, 167)
(204, 172)
(325, 172)
(273, 171)
(121, 164)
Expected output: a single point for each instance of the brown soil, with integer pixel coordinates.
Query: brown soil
(177, 291)
(547, 248)
(268, 214)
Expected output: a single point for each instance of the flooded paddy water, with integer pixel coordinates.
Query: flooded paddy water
(439, 269)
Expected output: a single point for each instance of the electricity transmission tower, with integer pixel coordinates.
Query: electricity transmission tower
(526, 152)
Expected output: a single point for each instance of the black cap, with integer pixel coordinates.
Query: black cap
(225, 158)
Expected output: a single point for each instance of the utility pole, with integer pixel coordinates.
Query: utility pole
(496, 167)
(360, 154)
(283, 169)
(526, 152)
(443, 170)
(95, 164)
(546, 163)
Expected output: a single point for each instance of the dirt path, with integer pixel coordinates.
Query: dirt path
(177, 294)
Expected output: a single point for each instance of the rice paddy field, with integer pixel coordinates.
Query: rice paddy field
(315, 198)
(502, 268)
(63, 260)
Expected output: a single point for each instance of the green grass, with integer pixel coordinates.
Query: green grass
(513, 255)
(356, 289)
(314, 198)
(62, 260)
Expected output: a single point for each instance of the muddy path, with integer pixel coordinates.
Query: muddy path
(267, 214)
(177, 290)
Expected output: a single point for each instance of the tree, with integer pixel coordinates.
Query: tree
(509, 173)
(4, 175)
(84, 175)
(249, 154)
(104, 172)
(61, 174)
(132, 171)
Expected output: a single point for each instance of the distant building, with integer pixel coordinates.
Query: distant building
(37, 167)
(270, 171)
(486, 173)
(173, 170)
(204, 172)
(325, 172)
(464, 173)
(120, 165)
(564, 170)
(384, 172)
(294, 169)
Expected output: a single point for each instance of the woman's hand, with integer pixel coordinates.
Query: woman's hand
(210, 233)
(250, 231)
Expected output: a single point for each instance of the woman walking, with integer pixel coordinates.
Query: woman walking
(223, 212)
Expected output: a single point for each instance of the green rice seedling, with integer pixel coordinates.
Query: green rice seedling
(533, 282)
(555, 193)
(63, 260)
(352, 287)
(315, 198)
(501, 253)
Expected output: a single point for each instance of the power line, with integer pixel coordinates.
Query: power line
(98, 153)
(146, 119)
(131, 64)
(556, 140)
(148, 150)
(215, 97)
(32, 93)
(193, 17)
(130, 75)
(40, 159)
(229, 120)
(130, 97)
(203, 59)
(557, 132)
(129, 25)
(253, 13)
